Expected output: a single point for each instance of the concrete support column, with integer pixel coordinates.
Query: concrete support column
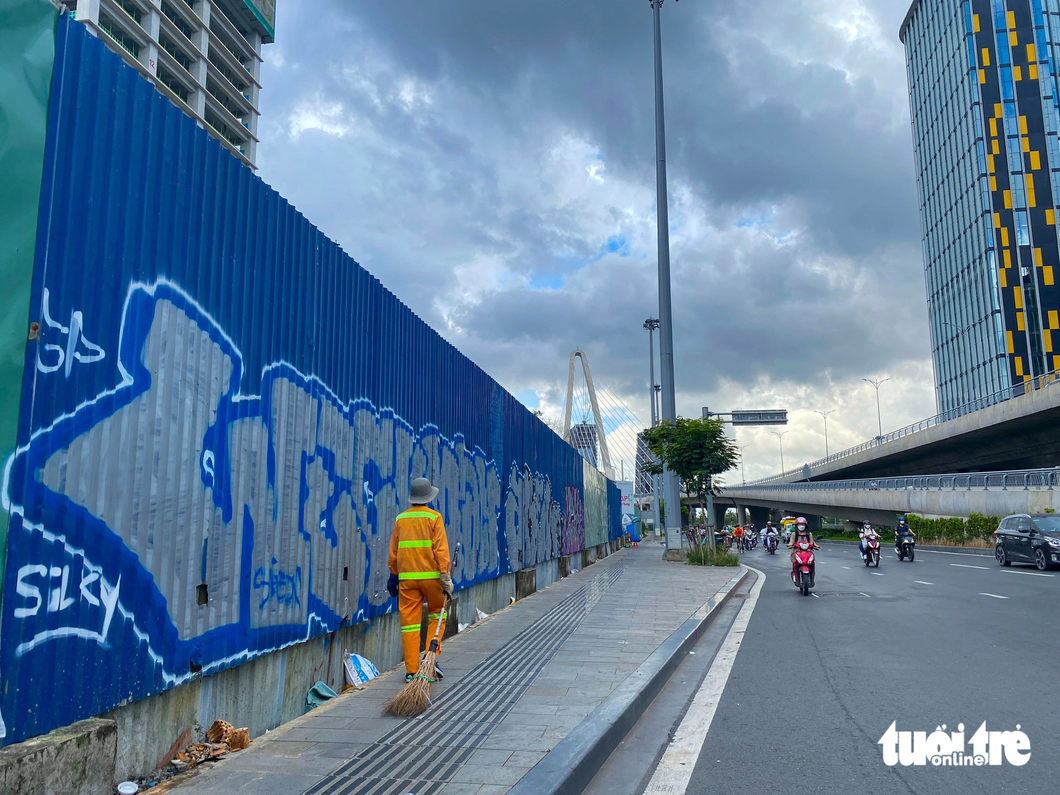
(719, 514)
(759, 516)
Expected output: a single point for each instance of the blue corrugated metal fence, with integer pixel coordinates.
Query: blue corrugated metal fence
(220, 417)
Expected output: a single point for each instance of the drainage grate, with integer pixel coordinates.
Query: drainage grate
(423, 753)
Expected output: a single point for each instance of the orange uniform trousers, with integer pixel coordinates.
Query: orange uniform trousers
(411, 596)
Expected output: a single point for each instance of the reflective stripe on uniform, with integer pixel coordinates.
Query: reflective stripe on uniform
(417, 515)
(419, 575)
(415, 544)
(410, 628)
(434, 616)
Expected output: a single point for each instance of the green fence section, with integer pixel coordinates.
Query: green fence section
(596, 516)
(27, 53)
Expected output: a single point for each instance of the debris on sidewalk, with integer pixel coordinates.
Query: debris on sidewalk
(319, 694)
(224, 733)
(221, 738)
(359, 670)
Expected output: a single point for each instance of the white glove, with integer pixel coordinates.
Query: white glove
(447, 584)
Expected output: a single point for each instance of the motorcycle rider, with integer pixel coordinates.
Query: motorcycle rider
(866, 533)
(800, 533)
(902, 530)
(768, 532)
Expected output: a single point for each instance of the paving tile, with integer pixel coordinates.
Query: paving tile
(490, 774)
(460, 788)
(342, 750)
(485, 756)
(525, 759)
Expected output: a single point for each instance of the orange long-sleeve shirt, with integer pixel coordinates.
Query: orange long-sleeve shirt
(419, 548)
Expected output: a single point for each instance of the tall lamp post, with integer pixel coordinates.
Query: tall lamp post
(743, 474)
(824, 416)
(876, 384)
(651, 325)
(671, 489)
(780, 436)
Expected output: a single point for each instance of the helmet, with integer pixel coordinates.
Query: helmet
(866, 524)
(769, 523)
(802, 520)
(901, 520)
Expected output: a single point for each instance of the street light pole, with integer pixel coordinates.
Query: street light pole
(743, 474)
(780, 435)
(652, 325)
(671, 489)
(824, 416)
(876, 383)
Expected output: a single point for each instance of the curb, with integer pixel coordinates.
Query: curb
(569, 767)
(927, 548)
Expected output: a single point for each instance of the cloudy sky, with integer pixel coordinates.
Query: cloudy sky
(493, 164)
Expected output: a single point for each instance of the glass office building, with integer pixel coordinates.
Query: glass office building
(983, 90)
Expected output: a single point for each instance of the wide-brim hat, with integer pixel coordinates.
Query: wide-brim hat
(421, 491)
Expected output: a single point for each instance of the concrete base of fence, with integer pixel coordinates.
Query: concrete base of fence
(525, 583)
(76, 760)
(271, 690)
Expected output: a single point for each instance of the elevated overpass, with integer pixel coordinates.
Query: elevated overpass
(1016, 429)
(878, 500)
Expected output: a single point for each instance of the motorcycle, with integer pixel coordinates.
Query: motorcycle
(803, 573)
(872, 551)
(771, 545)
(906, 549)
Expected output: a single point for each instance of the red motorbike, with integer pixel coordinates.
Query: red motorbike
(872, 551)
(804, 570)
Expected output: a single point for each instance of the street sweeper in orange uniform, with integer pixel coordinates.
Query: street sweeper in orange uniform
(419, 572)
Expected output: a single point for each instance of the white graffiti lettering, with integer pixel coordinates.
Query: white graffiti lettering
(68, 352)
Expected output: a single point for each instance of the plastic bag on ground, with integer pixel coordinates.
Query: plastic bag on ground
(359, 670)
(318, 694)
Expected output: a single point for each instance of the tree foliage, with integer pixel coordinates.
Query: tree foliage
(697, 450)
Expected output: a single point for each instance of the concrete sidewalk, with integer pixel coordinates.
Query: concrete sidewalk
(515, 685)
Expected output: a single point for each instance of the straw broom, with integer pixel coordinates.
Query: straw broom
(415, 697)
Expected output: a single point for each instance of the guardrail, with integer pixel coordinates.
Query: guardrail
(1032, 385)
(1026, 479)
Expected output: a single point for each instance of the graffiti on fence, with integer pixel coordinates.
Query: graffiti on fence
(186, 527)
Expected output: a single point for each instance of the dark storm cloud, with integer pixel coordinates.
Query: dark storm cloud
(436, 136)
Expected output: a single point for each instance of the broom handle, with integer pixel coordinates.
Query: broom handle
(438, 627)
(445, 608)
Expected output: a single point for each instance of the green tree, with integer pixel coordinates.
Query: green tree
(696, 450)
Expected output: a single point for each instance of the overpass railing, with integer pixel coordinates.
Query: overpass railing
(1038, 382)
(1026, 479)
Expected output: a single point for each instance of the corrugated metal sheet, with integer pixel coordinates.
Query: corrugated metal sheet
(221, 417)
(27, 52)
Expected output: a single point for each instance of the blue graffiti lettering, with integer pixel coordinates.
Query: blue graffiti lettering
(277, 584)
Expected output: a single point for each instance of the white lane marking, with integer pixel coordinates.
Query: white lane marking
(940, 552)
(864, 594)
(845, 567)
(674, 770)
(923, 583)
(815, 596)
(963, 566)
(878, 574)
(1026, 573)
(993, 595)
